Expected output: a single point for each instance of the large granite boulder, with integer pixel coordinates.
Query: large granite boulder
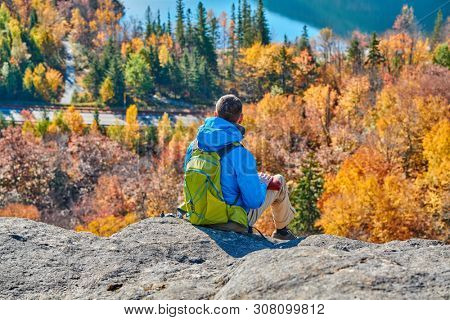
(171, 259)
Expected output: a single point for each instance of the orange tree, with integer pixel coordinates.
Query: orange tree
(371, 201)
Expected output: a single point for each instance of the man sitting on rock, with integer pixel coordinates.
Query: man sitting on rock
(240, 184)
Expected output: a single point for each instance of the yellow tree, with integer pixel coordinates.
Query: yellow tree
(367, 200)
(348, 128)
(401, 118)
(109, 225)
(16, 210)
(79, 26)
(107, 90)
(263, 66)
(74, 120)
(272, 125)
(54, 81)
(165, 131)
(173, 153)
(131, 130)
(44, 82)
(320, 102)
(106, 23)
(23, 8)
(435, 182)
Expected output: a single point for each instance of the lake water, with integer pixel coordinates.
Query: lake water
(289, 16)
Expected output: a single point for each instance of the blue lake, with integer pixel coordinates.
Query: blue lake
(289, 16)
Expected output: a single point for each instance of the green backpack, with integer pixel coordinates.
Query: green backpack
(203, 199)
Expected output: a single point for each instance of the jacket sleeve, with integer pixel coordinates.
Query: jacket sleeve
(253, 192)
(188, 155)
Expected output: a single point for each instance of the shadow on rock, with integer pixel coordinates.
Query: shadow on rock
(239, 245)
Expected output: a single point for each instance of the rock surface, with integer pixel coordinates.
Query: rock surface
(170, 259)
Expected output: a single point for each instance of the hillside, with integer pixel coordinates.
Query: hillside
(367, 16)
(170, 259)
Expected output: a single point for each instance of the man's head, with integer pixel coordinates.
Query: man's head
(229, 107)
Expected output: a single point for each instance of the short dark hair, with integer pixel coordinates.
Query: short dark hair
(229, 107)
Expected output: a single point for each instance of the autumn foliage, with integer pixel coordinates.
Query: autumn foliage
(368, 200)
(20, 211)
(359, 127)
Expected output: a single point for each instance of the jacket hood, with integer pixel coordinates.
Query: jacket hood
(216, 133)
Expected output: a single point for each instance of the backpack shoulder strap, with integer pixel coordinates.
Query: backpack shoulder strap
(228, 148)
(195, 145)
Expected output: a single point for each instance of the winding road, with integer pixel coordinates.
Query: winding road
(70, 85)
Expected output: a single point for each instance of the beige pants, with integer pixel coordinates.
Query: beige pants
(282, 210)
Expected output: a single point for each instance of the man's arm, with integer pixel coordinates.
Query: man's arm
(253, 191)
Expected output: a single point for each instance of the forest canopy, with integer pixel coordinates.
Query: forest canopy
(358, 126)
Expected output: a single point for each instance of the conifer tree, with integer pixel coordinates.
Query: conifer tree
(155, 64)
(148, 22)
(116, 75)
(169, 24)
(355, 55)
(3, 123)
(441, 55)
(179, 28)
(189, 37)
(247, 25)
(262, 27)
(159, 28)
(303, 43)
(374, 57)
(204, 42)
(240, 26)
(213, 27)
(33, 18)
(285, 62)
(175, 77)
(232, 42)
(305, 196)
(437, 31)
(137, 76)
(97, 117)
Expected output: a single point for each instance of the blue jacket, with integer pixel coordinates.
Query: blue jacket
(239, 176)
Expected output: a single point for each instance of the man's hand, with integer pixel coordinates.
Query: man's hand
(275, 184)
(264, 178)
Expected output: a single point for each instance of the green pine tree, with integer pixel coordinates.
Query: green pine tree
(175, 79)
(214, 30)
(437, 31)
(232, 44)
(33, 18)
(179, 28)
(374, 57)
(248, 37)
(203, 40)
(441, 55)
(262, 27)
(159, 27)
(148, 22)
(285, 61)
(355, 55)
(169, 24)
(137, 76)
(116, 74)
(155, 65)
(240, 27)
(3, 123)
(305, 196)
(97, 117)
(189, 37)
(303, 43)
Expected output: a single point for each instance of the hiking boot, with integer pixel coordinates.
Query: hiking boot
(284, 234)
